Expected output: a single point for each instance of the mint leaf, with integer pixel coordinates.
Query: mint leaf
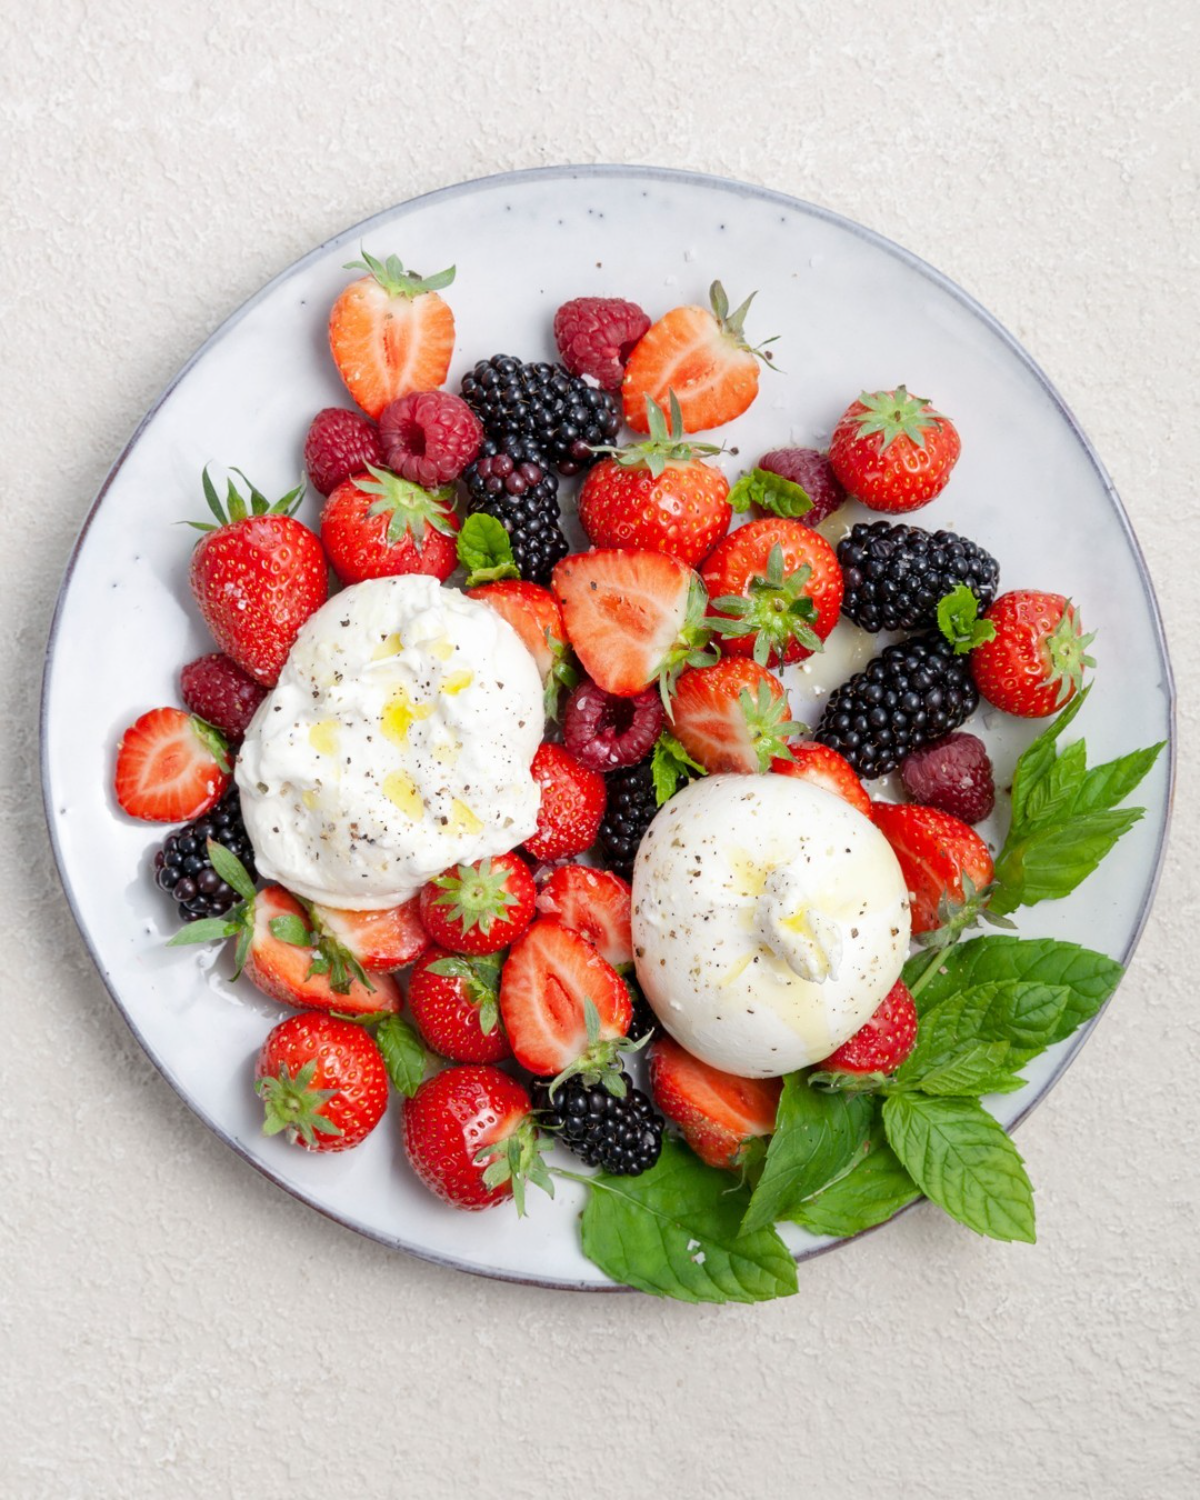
(968, 1070)
(1026, 1014)
(670, 765)
(1051, 861)
(770, 492)
(960, 1157)
(485, 550)
(816, 1137)
(1037, 758)
(674, 1232)
(1106, 785)
(874, 1190)
(403, 1053)
(958, 620)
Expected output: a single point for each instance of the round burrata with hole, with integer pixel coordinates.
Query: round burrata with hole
(397, 741)
(770, 919)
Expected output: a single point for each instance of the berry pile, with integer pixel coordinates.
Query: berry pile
(559, 413)
(183, 868)
(510, 481)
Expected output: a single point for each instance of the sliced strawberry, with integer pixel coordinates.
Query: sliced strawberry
(550, 975)
(533, 613)
(170, 767)
(390, 333)
(827, 769)
(284, 970)
(884, 1042)
(379, 940)
(634, 618)
(717, 1112)
(733, 716)
(936, 853)
(593, 903)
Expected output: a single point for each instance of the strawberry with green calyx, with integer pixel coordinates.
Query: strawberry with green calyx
(322, 1081)
(1033, 662)
(600, 1061)
(958, 620)
(385, 526)
(893, 451)
(775, 590)
(734, 717)
(454, 1000)
(479, 908)
(657, 494)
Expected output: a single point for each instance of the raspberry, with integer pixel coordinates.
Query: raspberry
(954, 775)
(216, 690)
(595, 336)
(340, 443)
(603, 731)
(429, 437)
(812, 472)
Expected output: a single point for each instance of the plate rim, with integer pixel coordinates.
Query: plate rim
(572, 172)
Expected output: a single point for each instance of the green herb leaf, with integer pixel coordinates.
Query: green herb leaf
(960, 1157)
(231, 870)
(674, 1232)
(403, 1053)
(1024, 1014)
(206, 930)
(670, 765)
(874, 1190)
(770, 492)
(958, 620)
(967, 1071)
(485, 550)
(293, 930)
(816, 1137)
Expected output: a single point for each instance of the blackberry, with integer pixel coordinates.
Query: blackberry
(895, 574)
(182, 866)
(563, 415)
(622, 1136)
(628, 813)
(912, 693)
(510, 480)
(645, 1022)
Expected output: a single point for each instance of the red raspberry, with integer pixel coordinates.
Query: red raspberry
(216, 690)
(429, 437)
(340, 443)
(812, 472)
(603, 731)
(954, 775)
(596, 335)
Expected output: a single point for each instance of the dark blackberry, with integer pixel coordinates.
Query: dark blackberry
(510, 480)
(563, 415)
(645, 1022)
(895, 575)
(622, 1136)
(628, 813)
(182, 866)
(912, 693)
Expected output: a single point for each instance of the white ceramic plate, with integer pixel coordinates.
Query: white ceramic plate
(853, 311)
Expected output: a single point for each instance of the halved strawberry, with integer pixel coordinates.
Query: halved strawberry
(944, 862)
(827, 769)
(717, 1112)
(552, 983)
(634, 618)
(390, 332)
(881, 1044)
(733, 716)
(533, 613)
(379, 940)
(593, 903)
(170, 767)
(289, 970)
(699, 353)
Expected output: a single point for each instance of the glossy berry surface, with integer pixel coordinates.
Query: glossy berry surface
(512, 481)
(557, 411)
(218, 691)
(183, 869)
(895, 575)
(596, 335)
(619, 1135)
(603, 731)
(629, 812)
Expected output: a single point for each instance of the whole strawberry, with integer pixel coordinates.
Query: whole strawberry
(596, 335)
(455, 1002)
(881, 1044)
(340, 444)
(216, 690)
(572, 809)
(322, 1081)
(892, 451)
(479, 908)
(384, 526)
(658, 496)
(257, 575)
(1034, 663)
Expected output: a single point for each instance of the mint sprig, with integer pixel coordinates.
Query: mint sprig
(770, 492)
(404, 1054)
(485, 550)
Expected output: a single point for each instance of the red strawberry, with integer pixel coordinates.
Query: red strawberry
(884, 1042)
(892, 451)
(595, 336)
(533, 613)
(322, 1081)
(657, 495)
(455, 1002)
(549, 981)
(383, 526)
(572, 807)
(775, 591)
(827, 769)
(733, 717)
(429, 437)
(937, 853)
(717, 1112)
(170, 767)
(470, 1138)
(292, 968)
(217, 690)
(593, 903)
(479, 908)
(603, 731)
(340, 444)
(380, 940)
(390, 333)
(812, 471)
(633, 618)
(1034, 663)
(702, 356)
(257, 576)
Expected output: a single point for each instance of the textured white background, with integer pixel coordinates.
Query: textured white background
(174, 1325)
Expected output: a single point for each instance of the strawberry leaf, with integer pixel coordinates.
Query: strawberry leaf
(669, 765)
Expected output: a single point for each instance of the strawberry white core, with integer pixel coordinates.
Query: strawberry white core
(770, 919)
(397, 742)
